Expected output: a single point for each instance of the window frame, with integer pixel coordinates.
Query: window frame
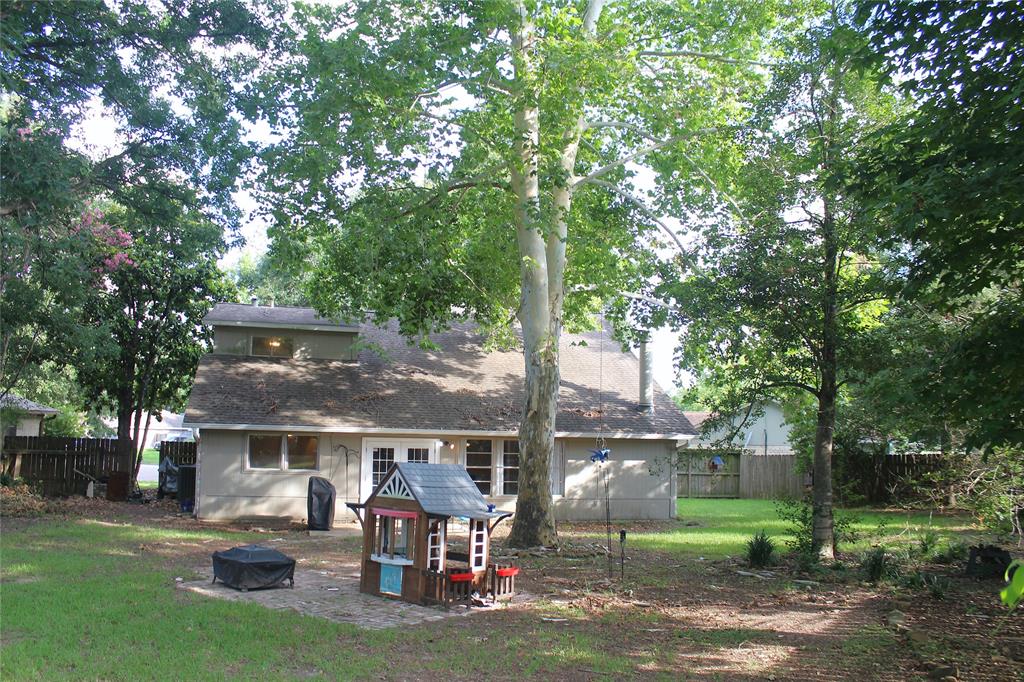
(502, 467)
(252, 346)
(283, 463)
(491, 482)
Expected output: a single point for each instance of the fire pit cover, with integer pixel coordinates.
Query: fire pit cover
(252, 566)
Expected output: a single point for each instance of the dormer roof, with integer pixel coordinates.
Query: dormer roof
(273, 317)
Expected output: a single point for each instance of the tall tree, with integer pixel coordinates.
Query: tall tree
(445, 160)
(782, 285)
(949, 179)
(155, 277)
(164, 81)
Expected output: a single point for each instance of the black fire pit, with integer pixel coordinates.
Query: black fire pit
(253, 566)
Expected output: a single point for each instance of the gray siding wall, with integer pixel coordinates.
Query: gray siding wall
(640, 484)
(308, 344)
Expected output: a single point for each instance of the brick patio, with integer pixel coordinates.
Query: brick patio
(331, 595)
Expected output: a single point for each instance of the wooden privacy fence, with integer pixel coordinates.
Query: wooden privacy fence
(734, 474)
(180, 452)
(61, 466)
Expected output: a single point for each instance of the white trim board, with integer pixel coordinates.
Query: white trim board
(618, 435)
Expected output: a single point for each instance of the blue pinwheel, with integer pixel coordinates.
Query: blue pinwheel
(600, 455)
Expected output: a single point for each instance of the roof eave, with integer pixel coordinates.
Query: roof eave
(617, 435)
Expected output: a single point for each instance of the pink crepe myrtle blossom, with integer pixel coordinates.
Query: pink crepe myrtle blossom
(24, 133)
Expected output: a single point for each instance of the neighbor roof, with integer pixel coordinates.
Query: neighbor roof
(457, 387)
(445, 490)
(275, 316)
(25, 405)
(697, 418)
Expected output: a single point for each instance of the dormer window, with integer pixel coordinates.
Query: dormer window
(273, 346)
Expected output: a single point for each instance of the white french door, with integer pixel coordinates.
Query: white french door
(380, 453)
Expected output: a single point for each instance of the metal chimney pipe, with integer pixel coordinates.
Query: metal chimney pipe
(271, 303)
(646, 378)
(254, 301)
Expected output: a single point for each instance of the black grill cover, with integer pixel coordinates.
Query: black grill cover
(320, 504)
(252, 566)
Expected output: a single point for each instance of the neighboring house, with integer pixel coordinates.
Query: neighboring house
(166, 426)
(286, 395)
(26, 416)
(764, 435)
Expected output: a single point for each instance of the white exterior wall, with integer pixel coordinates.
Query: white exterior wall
(770, 427)
(308, 343)
(29, 425)
(640, 485)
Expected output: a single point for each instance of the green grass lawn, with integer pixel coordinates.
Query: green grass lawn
(150, 456)
(724, 526)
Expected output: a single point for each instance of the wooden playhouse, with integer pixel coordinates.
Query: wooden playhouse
(406, 544)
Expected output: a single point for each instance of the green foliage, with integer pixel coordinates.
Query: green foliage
(879, 564)
(760, 550)
(947, 181)
(799, 514)
(261, 276)
(954, 552)
(1013, 593)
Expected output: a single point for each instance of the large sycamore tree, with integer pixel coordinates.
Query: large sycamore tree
(453, 160)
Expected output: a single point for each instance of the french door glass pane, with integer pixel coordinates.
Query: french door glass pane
(418, 455)
(383, 458)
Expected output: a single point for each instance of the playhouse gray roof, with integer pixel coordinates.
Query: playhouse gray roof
(445, 490)
(456, 386)
(25, 405)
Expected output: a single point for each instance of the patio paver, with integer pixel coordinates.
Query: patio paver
(329, 595)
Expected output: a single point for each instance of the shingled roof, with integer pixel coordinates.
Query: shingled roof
(458, 387)
(277, 316)
(16, 402)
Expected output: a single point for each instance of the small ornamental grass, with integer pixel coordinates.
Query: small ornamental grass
(760, 550)
(879, 564)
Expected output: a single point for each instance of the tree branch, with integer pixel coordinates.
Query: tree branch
(639, 204)
(701, 55)
(640, 153)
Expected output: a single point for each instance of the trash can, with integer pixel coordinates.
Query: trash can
(320, 504)
(117, 486)
(187, 487)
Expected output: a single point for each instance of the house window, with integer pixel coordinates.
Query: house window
(301, 452)
(293, 452)
(510, 467)
(418, 455)
(264, 452)
(478, 463)
(273, 346)
(382, 458)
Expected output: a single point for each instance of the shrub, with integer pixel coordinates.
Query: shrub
(954, 552)
(759, 550)
(800, 515)
(878, 564)
(928, 542)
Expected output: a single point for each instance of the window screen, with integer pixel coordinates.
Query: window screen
(302, 451)
(478, 463)
(264, 452)
(273, 346)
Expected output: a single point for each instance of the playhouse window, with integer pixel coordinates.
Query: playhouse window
(394, 538)
(510, 467)
(477, 544)
(478, 463)
(435, 546)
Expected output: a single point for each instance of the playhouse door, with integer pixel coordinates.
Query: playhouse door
(379, 454)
